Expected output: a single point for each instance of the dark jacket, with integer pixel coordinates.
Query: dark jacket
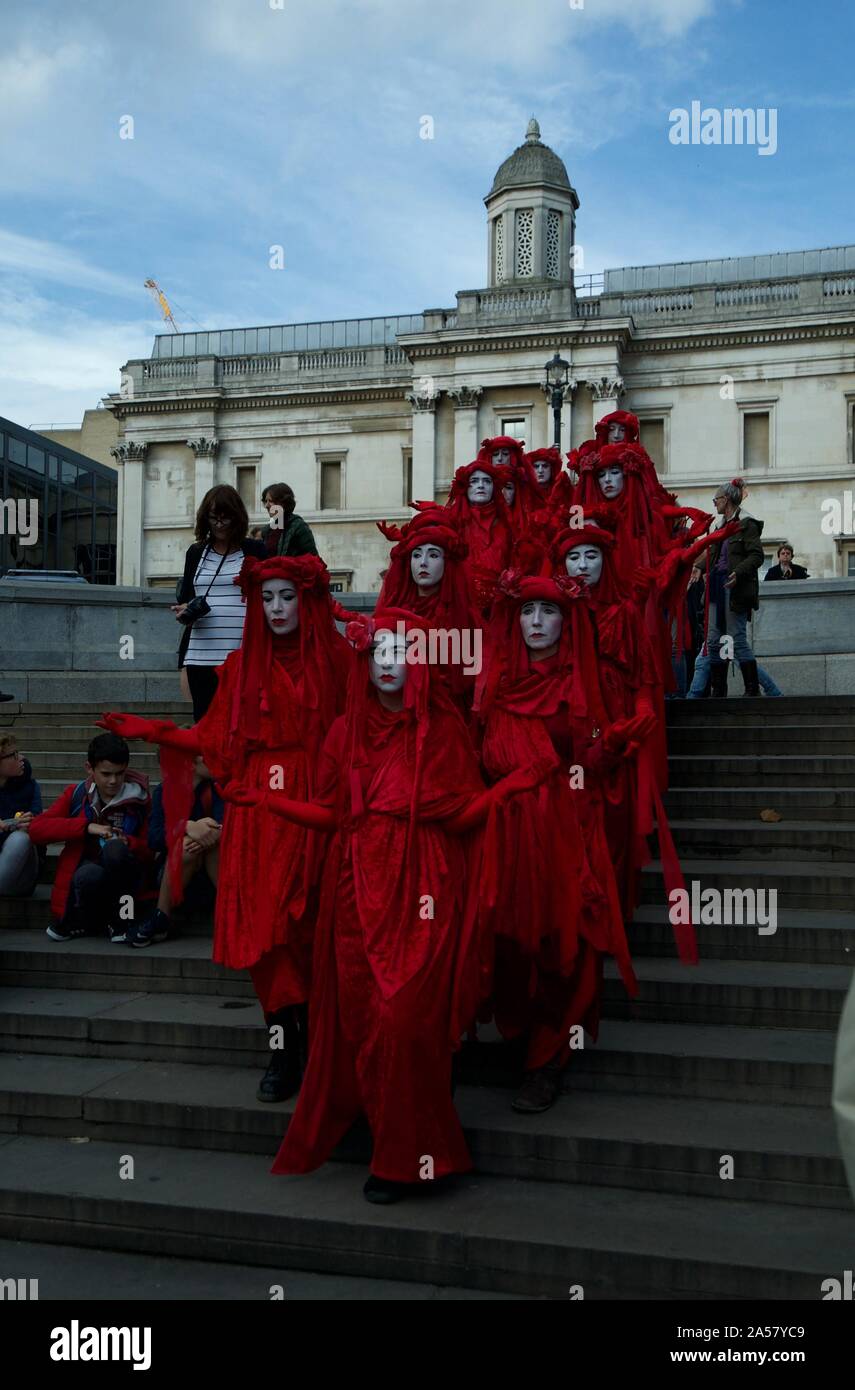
(294, 538)
(186, 591)
(796, 572)
(744, 558)
(206, 802)
(20, 794)
(68, 819)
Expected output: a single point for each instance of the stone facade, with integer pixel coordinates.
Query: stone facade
(734, 366)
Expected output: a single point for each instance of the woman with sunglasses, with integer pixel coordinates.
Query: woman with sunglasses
(211, 567)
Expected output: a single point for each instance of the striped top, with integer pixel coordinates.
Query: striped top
(221, 631)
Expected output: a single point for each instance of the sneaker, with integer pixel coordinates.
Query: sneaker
(117, 935)
(67, 930)
(150, 932)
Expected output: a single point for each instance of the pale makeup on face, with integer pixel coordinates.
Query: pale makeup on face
(388, 664)
(427, 566)
(617, 432)
(281, 604)
(542, 471)
(502, 455)
(509, 492)
(611, 480)
(480, 490)
(585, 562)
(541, 623)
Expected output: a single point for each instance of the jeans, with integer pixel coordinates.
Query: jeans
(19, 865)
(737, 625)
(98, 884)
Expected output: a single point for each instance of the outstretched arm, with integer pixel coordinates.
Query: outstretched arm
(520, 780)
(160, 731)
(310, 814)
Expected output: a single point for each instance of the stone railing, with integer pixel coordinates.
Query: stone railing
(775, 292)
(333, 359)
(182, 368)
(588, 308)
(515, 301)
(249, 366)
(643, 305)
(838, 285)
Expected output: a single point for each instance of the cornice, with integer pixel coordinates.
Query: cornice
(503, 338)
(707, 336)
(160, 405)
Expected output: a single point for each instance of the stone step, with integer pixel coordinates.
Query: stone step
(89, 710)
(822, 938)
(33, 913)
(495, 1234)
(818, 740)
(728, 769)
(793, 803)
(757, 994)
(66, 765)
(733, 838)
(799, 883)
(104, 1276)
(722, 1061)
(811, 708)
(648, 1143)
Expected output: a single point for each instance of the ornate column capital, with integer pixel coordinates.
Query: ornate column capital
(466, 397)
(606, 388)
(423, 401)
(129, 452)
(204, 447)
(567, 392)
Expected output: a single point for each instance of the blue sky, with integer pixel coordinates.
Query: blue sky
(296, 123)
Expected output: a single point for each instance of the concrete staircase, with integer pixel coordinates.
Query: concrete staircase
(107, 1052)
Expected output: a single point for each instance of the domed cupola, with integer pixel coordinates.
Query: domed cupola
(531, 211)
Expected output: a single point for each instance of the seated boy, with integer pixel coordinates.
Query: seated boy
(201, 851)
(102, 822)
(20, 800)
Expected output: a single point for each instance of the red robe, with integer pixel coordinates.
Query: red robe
(558, 906)
(394, 987)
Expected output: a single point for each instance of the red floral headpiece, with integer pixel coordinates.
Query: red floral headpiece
(618, 417)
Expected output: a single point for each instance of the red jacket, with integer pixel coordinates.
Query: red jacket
(71, 814)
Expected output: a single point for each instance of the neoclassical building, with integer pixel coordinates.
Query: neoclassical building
(741, 365)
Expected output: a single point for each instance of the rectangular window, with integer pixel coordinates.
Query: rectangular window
(850, 564)
(408, 477)
(247, 486)
(331, 485)
(653, 440)
(514, 427)
(755, 440)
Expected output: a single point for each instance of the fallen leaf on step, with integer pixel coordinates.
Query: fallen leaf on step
(771, 815)
(79, 1139)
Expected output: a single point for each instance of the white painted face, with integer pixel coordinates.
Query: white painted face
(611, 480)
(388, 664)
(585, 562)
(617, 432)
(541, 623)
(427, 566)
(502, 455)
(281, 604)
(480, 488)
(542, 471)
(509, 492)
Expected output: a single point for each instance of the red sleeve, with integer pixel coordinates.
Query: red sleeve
(56, 824)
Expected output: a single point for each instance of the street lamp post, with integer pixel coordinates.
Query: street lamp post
(557, 381)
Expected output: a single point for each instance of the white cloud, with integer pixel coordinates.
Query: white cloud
(49, 260)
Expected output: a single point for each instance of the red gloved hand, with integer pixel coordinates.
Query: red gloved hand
(524, 779)
(624, 736)
(238, 794)
(129, 725)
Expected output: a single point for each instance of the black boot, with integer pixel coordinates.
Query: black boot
(718, 680)
(283, 1075)
(749, 675)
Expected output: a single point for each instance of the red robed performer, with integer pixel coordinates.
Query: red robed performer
(555, 905)
(481, 513)
(399, 963)
(276, 698)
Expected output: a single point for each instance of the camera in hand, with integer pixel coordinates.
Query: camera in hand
(198, 607)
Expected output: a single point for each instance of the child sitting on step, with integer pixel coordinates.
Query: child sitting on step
(101, 823)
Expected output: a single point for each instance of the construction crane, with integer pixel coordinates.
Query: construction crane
(162, 304)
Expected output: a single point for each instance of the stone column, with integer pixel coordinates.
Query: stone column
(424, 442)
(466, 439)
(205, 452)
(606, 392)
(130, 459)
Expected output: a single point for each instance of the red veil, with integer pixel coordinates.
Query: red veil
(448, 605)
(485, 530)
